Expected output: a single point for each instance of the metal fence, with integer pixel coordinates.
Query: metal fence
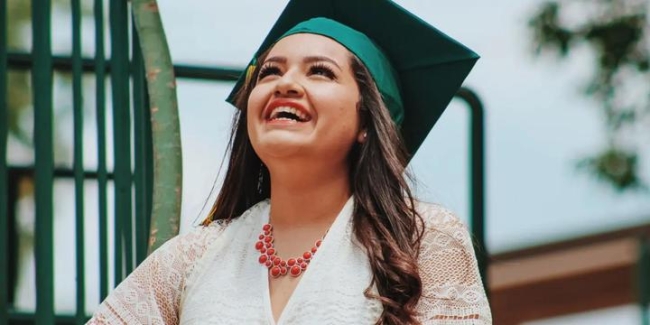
(131, 136)
(131, 175)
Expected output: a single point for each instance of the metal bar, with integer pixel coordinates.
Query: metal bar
(77, 108)
(139, 90)
(44, 160)
(477, 179)
(102, 177)
(207, 73)
(121, 133)
(58, 172)
(4, 176)
(23, 61)
(129, 252)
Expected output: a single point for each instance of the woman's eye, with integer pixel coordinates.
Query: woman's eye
(322, 70)
(267, 71)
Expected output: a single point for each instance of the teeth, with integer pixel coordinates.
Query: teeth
(288, 109)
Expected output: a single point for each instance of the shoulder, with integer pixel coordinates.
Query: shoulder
(191, 246)
(451, 284)
(188, 247)
(200, 237)
(439, 221)
(446, 242)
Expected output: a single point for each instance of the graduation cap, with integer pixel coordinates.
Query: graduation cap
(417, 68)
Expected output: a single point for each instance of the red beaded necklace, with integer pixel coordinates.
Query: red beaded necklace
(276, 265)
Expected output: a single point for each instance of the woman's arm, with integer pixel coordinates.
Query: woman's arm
(452, 291)
(151, 294)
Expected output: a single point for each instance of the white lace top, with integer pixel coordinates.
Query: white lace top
(212, 276)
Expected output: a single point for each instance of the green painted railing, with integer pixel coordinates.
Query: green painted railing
(43, 160)
(77, 106)
(102, 173)
(119, 27)
(130, 229)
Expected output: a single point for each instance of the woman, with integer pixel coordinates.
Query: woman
(315, 223)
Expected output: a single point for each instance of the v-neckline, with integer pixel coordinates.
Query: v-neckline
(333, 234)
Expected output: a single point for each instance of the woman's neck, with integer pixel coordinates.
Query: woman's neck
(301, 197)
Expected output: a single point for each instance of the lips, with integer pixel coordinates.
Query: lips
(286, 110)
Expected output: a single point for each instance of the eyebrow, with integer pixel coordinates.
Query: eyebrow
(309, 59)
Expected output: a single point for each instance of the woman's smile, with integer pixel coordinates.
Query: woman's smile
(282, 111)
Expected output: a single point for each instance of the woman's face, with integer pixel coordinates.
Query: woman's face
(305, 101)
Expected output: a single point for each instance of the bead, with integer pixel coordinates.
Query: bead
(276, 265)
(295, 270)
(263, 259)
(259, 245)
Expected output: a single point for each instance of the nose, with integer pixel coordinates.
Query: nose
(288, 86)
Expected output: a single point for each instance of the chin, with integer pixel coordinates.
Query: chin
(279, 148)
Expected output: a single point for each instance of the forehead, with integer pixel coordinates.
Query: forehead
(300, 45)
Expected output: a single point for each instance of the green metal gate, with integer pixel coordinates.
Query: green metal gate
(131, 131)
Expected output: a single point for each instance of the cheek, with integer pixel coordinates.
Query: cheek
(340, 118)
(346, 112)
(255, 101)
(254, 107)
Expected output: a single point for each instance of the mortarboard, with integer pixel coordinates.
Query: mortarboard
(428, 66)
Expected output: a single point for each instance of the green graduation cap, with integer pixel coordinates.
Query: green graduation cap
(417, 68)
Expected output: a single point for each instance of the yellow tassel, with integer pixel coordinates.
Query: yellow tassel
(249, 73)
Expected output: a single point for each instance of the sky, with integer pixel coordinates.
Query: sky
(538, 125)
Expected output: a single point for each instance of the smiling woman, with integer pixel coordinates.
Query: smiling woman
(315, 222)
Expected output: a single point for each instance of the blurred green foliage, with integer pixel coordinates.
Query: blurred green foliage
(616, 33)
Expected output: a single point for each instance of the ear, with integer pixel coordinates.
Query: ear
(362, 136)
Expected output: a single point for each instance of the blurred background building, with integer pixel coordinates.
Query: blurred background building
(565, 88)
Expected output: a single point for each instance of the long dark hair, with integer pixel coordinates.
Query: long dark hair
(384, 219)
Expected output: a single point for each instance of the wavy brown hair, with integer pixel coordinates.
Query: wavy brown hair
(384, 218)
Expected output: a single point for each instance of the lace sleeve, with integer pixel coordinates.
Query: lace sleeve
(452, 291)
(151, 294)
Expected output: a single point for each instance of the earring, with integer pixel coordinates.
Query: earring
(365, 134)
